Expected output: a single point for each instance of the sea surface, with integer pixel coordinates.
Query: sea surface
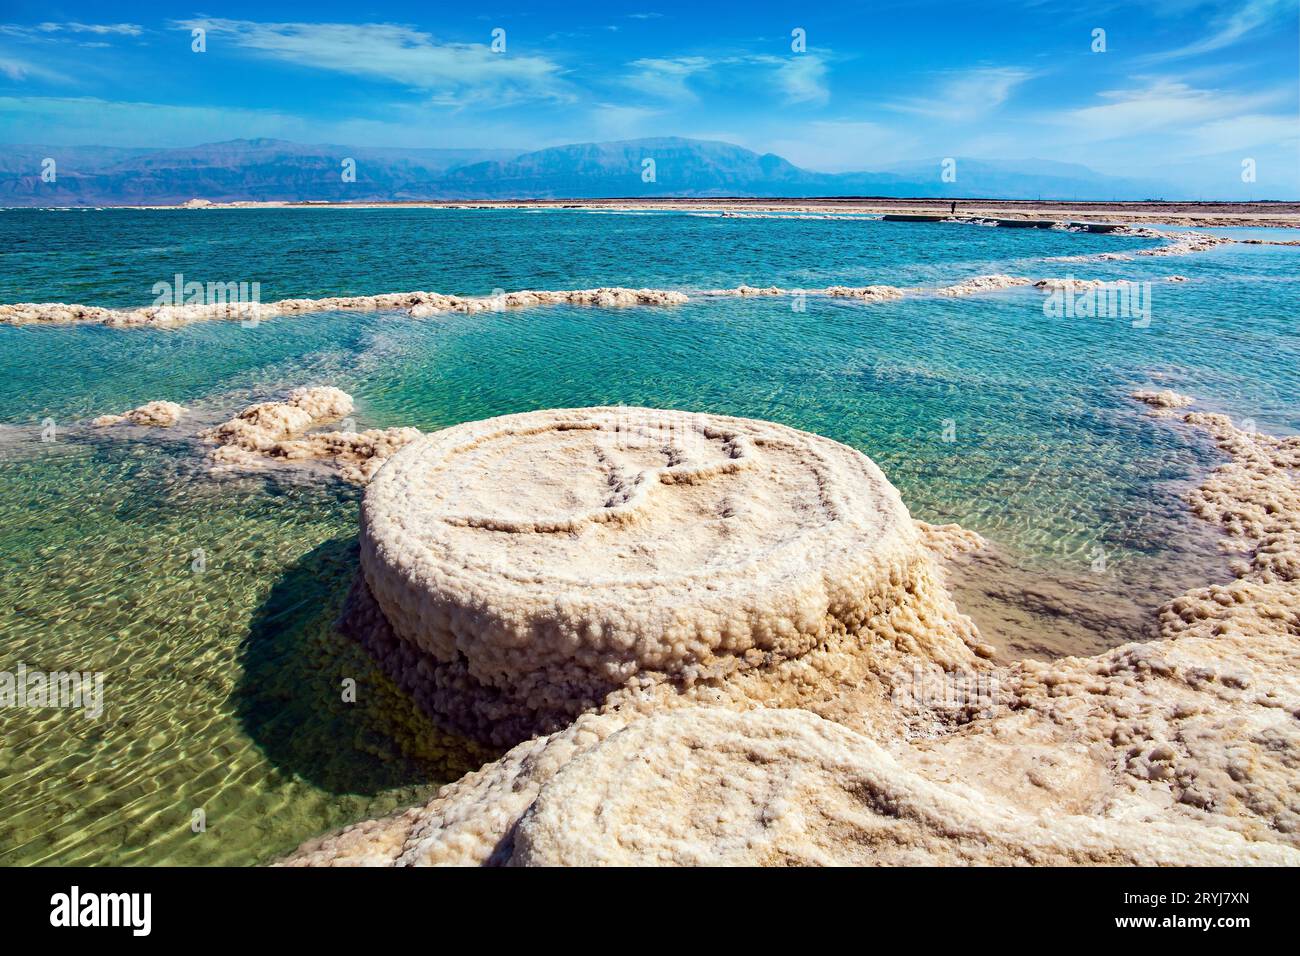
(207, 602)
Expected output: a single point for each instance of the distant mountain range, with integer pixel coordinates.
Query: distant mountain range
(276, 170)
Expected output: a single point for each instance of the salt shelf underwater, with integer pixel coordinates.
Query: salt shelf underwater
(547, 536)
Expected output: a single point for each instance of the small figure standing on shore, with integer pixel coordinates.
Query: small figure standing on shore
(953, 210)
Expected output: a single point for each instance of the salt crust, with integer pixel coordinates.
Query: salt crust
(1182, 751)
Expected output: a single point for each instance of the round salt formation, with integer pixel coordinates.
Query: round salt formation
(542, 561)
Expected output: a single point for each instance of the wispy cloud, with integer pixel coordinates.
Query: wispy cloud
(455, 74)
(969, 94)
(802, 79)
(100, 29)
(1243, 20)
(1163, 104)
(49, 29)
(666, 78)
(797, 78)
(1239, 133)
(21, 70)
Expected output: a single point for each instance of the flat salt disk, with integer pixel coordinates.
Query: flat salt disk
(557, 555)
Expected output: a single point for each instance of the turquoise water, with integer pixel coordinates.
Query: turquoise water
(222, 685)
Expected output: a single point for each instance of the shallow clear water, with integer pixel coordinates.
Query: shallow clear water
(223, 685)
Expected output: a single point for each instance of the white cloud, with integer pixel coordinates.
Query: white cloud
(802, 79)
(1236, 133)
(100, 29)
(797, 78)
(1244, 19)
(49, 32)
(667, 78)
(1164, 104)
(22, 70)
(966, 95)
(455, 74)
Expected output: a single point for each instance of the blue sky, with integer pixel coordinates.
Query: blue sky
(1184, 90)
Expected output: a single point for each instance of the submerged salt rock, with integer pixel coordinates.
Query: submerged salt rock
(271, 431)
(357, 455)
(989, 283)
(1165, 398)
(260, 425)
(542, 562)
(159, 414)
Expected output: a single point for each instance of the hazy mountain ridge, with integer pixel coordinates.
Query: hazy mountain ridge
(278, 170)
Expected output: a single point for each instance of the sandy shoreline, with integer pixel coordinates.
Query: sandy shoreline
(1257, 214)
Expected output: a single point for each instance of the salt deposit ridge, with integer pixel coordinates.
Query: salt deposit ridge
(422, 304)
(770, 670)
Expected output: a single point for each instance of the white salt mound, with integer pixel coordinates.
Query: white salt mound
(1179, 244)
(1078, 285)
(274, 431)
(261, 425)
(869, 292)
(542, 562)
(1165, 398)
(990, 283)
